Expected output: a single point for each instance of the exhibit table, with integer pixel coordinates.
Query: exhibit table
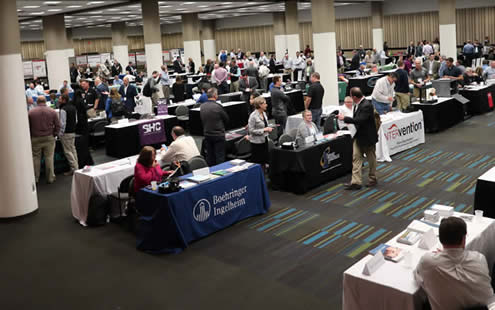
(483, 196)
(393, 286)
(124, 139)
(236, 110)
(309, 166)
(399, 132)
(236, 96)
(444, 113)
(170, 222)
(296, 102)
(365, 83)
(480, 98)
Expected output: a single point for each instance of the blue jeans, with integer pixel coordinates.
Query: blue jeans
(316, 116)
(381, 107)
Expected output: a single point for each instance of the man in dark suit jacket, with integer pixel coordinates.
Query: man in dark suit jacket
(364, 140)
(355, 61)
(128, 92)
(178, 65)
(116, 68)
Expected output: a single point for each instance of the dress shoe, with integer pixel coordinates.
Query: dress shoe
(349, 186)
(371, 184)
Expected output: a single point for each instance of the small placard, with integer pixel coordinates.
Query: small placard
(162, 109)
(202, 171)
(123, 121)
(428, 241)
(374, 263)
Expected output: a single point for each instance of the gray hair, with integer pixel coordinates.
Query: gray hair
(212, 92)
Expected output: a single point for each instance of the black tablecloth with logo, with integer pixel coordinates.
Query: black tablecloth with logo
(365, 84)
(441, 115)
(237, 112)
(124, 142)
(296, 103)
(479, 100)
(302, 169)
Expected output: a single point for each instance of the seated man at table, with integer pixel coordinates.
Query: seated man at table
(182, 149)
(454, 278)
(489, 72)
(117, 81)
(147, 169)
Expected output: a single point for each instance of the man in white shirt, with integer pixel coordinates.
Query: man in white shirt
(182, 149)
(347, 111)
(455, 278)
(32, 91)
(299, 64)
(264, 59)
(287, 63)
(383, 93)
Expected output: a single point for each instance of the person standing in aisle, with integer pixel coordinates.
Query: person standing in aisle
(314, 99)
(67, 134)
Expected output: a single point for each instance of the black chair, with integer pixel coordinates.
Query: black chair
(293, 133)
(242, 150)
(285, 138)
(196, 105)
(98, 132)
(329, 125)
(197, 162)
(273, 134)
(125, 192)
(182, 113)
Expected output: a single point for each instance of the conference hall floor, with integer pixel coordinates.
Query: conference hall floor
(281, 260)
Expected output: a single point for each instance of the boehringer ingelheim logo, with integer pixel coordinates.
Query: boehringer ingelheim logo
(202, 210)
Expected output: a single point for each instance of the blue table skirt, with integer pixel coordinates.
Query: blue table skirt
(169, 222)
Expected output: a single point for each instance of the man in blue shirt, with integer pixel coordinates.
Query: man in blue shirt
(468, 52)
(33, 92)
(223, 57)
(165, 82)
(204, 97)
(117, 81)
(102, 91)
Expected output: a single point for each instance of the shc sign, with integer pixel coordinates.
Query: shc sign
(152, 132)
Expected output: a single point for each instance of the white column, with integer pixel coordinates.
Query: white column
(191, 37)
(324, 47)
(154, 58)
(292, 28)
(57, 63)
(448, 41)
(293, 44)
(18, 195)
(193, 49)
(152, 35)
(209, 49)
(280, 46)
(378, 39)
(121, 54)
(377, 25)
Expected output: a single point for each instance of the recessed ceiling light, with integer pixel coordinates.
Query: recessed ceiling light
(31, 6)
(187, 3)
(37, 13)
(54, 10)
(164, 6)
(95, 12)
(113, 9)
(95, 2)
(73, 6)
(51, 2)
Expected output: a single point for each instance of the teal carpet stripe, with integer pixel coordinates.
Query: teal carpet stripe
(472, 190)
(452, 178)
(360, 230)
(398, 173)
(374, 235)
(332, 225)
(476, 163)
(315, 237)
(345, 228)
(329, 241)
(399, 199)
(384, 198)
(460, 207)
(412, 155)
(412, 205)
(430, 156)
(413, 172)
(284, 213)
(352, 247)
(333, 198)
(426, 176)
(269, 225)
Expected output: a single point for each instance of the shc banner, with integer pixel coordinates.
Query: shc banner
(152, 132)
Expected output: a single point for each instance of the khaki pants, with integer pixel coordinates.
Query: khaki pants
(357, 162)
(68, 141)
(234, 86)
(166, 91)
(154, 98)
(45, 146)
(402, 101)
(416, 93)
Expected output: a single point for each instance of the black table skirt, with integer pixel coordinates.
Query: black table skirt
(478, 100)
(238, 115)
(300, 170)
(441, 116)
(296, 104)
(484, 198)
(363, 84)
(124, 142)
(230, 97)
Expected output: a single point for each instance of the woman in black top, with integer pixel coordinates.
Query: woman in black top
(272, 64)
(179, 89)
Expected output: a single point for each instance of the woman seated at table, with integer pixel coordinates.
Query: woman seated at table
(258, 132)
(307, 128)
(147, 169)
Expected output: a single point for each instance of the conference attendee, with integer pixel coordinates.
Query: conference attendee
(369, 59)
(235, 74)
(140, 77)
(221, 75)
(204, 97)
(86, 101)
(340, 61)
(470, 76)
(299, 65)
(114, 106)
(240, 54)
(30, 103)
(408, 63)
(309, 70)
(183, 148)
(468, 52)
(419, 76)
(252, 70)
(427, 49)
(489, 72)
(263, 73)
(214, 120)
(177, 65)
(443, 65)
(39, 86)
(354, 61)
(411, 49)
(247, 85)
(179, 89)
(65, 84)
(73, 73)
(102, 71)
(44, 125)
(361, 71)
(383, 93)
(223, 56)
(258, 131)
(460, 65)
(287, 63)
(306, 128)
(232, 54)
(154, 84)
(436, 46)
(280, 102)
(364, 142)
(128, 93)
(451, 71)
(307, 51)
(385, 48)
(263, 59)
(347, 109)
(466, 273)
(272, 66)
(116, 68)
(130, 69)
(67, 133)
(361, 52)
(33, 92)
(102, 92)
(253, 96)
(314, 99)
(402, 88)
(432, 66)
(165, 82)
(191, 66)
(147, 169)
(419, 49)
(117, 81)
(208, 67)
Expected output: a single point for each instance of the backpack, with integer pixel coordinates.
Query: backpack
(117, 107)
(147, 89)
(97, 210)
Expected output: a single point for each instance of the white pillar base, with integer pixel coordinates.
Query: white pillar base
(280, 46)
(18, 194)
(324, 46)
(154, 59)
(448, 41)
(192, 49)
(121, 53)
(377, 39)
(293, 45)
(58, 70)
(209, 50)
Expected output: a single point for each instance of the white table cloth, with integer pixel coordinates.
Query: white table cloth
(399, 132)
(102, 179)
(393, 286)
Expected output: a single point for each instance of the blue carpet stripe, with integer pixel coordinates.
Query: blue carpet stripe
(412, 205)
(452, 178)
(476, 163)
(460, 207)
(398, 173)
(315, 237)
(345, 228)
(412, 155)
(332, 225)
(269, 225)
(426, 176)
(284, 213)
(430, 156)
(329, 241)
(374, 235)
(384, 198)
(333, 198)
(360, 230)
(472, 190)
